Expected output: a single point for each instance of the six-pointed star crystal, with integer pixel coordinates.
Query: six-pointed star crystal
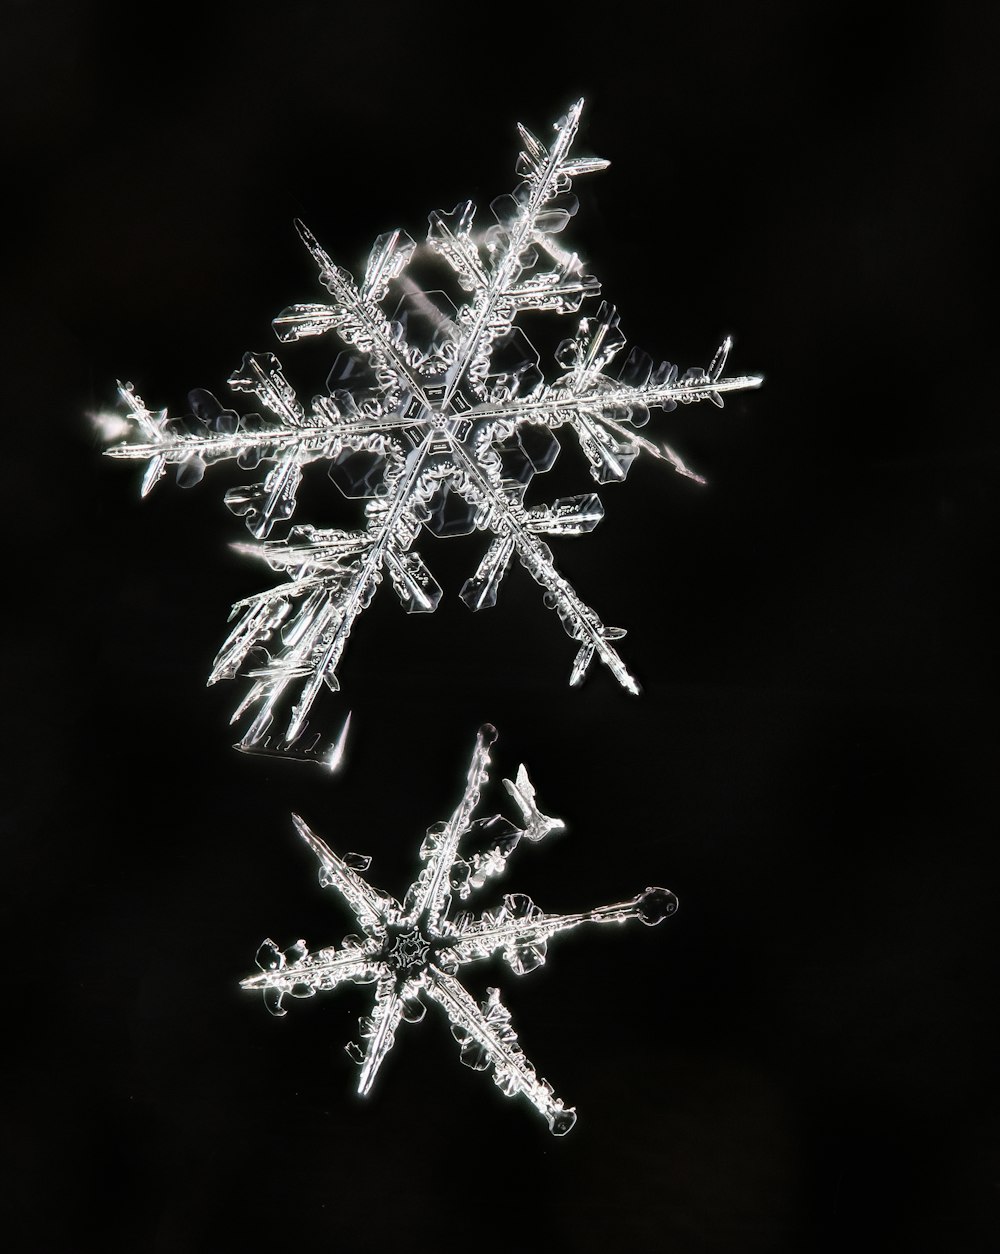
(437, 414)
(417, 947)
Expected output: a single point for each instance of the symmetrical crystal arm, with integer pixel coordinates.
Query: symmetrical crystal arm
(519, 925)
(579, 620)
(558, 406)
(378, 1030)
(307, 548)
(428, 895)
(359, 593)
(356, 315)
(178, 447)
(315, 641)
(317, 442)
(318, 972)
(486, 1038)
(368, 905)
(547, 172)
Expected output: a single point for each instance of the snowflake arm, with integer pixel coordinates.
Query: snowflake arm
(522, 931)
(298, 973)
(378, 1031)
(333, 595)
(523, 219)
(356, 315)
(428, 896)
(370, 908)
(579, 620)
(587, 398)
(486, 1038)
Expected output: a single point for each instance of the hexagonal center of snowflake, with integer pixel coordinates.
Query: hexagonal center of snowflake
(407, 950)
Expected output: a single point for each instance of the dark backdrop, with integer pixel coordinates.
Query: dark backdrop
(804, 1059)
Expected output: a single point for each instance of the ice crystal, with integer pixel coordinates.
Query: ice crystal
(442, 431)
(415, 949)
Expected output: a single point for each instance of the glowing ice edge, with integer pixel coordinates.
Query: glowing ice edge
(415, 949)
(439, 422)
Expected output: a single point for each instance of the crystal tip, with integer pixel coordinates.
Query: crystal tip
(562, 1121)
(655, 905)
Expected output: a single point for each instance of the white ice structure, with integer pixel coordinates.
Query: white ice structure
(436, 414)
(413, 951)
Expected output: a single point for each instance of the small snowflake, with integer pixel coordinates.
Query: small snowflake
(438, 415)
(416, 949)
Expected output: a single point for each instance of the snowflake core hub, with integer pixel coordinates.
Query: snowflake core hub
(445, 435)
(415, 949)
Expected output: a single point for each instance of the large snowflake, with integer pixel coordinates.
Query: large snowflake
(416, 948)
(438, 417)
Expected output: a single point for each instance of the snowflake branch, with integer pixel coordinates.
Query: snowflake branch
(561, 406)
(519, 925)
(320, 972)
(548, 172)
(427, 897)
(579, 620)
(326, 618)
(357, 317)
(370, 907)
(486, 1037)
(378, 1030)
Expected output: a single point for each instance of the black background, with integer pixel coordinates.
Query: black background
(804, 1059)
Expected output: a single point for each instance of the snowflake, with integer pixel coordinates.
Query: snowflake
(417, 947)
(442, 431)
